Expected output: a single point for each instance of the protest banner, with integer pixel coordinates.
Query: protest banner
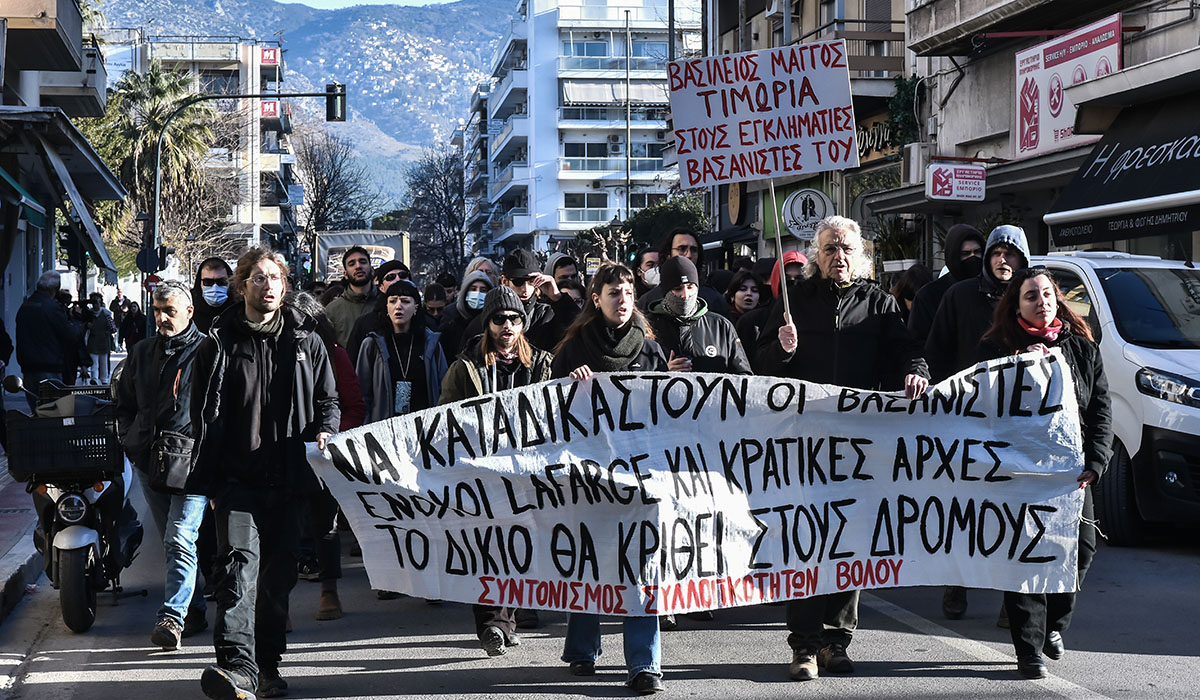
(654, 493)
(762, 114)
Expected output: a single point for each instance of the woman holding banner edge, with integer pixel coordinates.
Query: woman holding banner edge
(610, 335)
(1032, 316)
(500, 358)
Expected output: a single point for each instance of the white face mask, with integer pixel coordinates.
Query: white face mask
(651, 277)
(475, 300)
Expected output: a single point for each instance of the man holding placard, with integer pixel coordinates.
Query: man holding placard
(843, 329)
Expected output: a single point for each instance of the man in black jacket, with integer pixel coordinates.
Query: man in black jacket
(153, 396)
(210, 293)
(846, 330)
(694, 338)
(548, 316)
(681, 241)
(964, 260)
(263, 386)
(45, 337)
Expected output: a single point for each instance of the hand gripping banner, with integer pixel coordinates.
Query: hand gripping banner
(643, 494)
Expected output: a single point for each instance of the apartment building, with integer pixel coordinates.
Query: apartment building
(50, 175)
(575, 119)
(259, 154)
(1083, 114)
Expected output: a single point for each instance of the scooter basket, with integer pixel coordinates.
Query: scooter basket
(74, 448)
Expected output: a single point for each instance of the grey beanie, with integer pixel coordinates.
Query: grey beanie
(503, 298)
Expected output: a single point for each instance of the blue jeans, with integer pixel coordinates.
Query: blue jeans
(178, 518)
(643, 653)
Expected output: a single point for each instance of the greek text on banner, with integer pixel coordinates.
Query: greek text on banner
(638, 494)
(763, 114)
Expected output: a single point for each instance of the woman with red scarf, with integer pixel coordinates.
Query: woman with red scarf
(1032, 316)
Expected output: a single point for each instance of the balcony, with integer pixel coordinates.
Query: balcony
(871, 52)
(509, 93)
(599, 13)
(612, 65)
(517, 33)
(513, 134)
(947, 27)
(44, 35)
(513, 175)
(608, 118)
(80, 93)
(514, 222)
(609, 165)
(591, 217)
(477, 209)
(199, 49)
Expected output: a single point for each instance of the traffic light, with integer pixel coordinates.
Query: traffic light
(335, 102)
(163, 252)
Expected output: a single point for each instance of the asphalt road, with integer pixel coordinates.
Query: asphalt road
(1136, 635)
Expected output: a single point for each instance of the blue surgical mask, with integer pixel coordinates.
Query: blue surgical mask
(215, 295)
(475, 300)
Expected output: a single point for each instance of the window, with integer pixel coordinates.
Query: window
(1075, 292)
(641, 200)
(647, 150)
(650, 49)
(585, 200)
(1154, 308)
(219, 82)
(585, 150)
(585, 48)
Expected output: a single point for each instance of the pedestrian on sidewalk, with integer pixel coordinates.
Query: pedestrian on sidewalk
(263, 387)
(610, 335)
(153, 400)
(502, 358)
(101, 339)
(1032, 316)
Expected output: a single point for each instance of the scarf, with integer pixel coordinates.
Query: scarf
(681, 307)
(272, 327)
(612, 349)
(1049, 333)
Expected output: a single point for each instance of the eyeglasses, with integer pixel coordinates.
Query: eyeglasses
(214, 281)
(260, 279)
(685, 249)
(834, 249)
(501, 319)
(520, 281)
(395, 275)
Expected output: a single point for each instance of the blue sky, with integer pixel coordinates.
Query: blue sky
(335, 4)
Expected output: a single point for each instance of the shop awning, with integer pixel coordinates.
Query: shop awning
(82, 220)
(33, 212)
(1141, 179)
(599, 92)
(728, 236)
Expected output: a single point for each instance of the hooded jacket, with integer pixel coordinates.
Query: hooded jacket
(456, 318)
(154, 392)
(548, 321)
(715, 300)
(708, 340)
(850, 336)
(346, 309)
(242, 381)
(551, 261)
(203, 313)
(966, 310)
(928, 298)
(376, 379)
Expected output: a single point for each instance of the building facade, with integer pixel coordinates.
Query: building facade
(573, 126)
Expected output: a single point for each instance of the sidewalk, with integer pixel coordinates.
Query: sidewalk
(20, 564)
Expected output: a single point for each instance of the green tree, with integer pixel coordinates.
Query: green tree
(648, 226)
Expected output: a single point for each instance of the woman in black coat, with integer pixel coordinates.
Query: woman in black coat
(1032, 316)
(610, 335)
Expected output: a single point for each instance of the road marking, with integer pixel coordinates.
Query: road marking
(972, 648)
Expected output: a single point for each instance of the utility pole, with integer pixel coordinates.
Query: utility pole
(628, 118)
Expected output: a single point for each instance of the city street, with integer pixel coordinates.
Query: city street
(1134, 636)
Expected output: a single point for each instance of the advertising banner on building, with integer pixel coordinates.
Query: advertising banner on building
(957, 182)
(763, 114)
(652, 493)
(1045, 118)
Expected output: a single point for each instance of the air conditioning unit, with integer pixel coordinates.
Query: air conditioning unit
(614, 138)
(596, 185)
(913, 162)
(616, 148)
(775, 9)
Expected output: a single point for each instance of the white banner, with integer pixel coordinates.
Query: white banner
(762, 114)
(636, 494)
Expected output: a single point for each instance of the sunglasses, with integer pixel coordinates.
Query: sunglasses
(501, 319)
(214, 282)
(395, 275)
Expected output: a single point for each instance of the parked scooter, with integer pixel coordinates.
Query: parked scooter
(71, 461)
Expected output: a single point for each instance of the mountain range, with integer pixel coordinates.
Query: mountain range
(409, 71)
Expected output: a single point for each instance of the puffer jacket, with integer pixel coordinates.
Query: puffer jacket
(851, 337)
(708, 340)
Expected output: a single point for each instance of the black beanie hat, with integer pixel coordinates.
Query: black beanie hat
(519, 264)
(388, 267)
(676, 271)
(503, 298)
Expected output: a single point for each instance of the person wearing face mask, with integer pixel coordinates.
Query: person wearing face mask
(401, 367)
(963, 251)
(210, 292)
(694, 339)
(683, 242)
(550, 312)
(467, 305)
(645, 271)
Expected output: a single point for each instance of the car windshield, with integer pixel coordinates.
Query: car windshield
(1155, 307)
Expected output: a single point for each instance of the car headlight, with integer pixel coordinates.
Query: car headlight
(1168, 387)
(71, 508)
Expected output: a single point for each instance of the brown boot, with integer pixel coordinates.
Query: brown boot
(330, 607)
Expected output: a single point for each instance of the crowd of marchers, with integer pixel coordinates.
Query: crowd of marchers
(249, 369)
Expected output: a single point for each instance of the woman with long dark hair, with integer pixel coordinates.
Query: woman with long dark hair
(1032, 316)
(610, 335)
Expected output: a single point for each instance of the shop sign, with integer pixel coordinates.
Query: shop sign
(964, 183)
(1045, 118)
(803, 210)
(875, 139)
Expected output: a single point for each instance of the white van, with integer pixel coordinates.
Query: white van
(1145, 312)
